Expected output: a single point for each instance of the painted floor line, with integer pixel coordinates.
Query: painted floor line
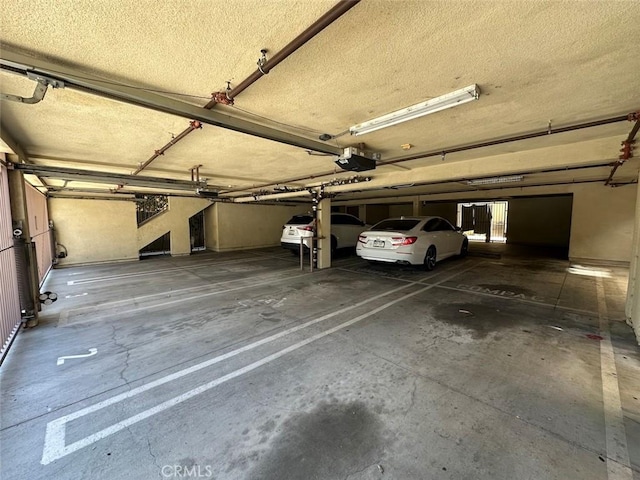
(220, 358)
(589, 313)
(55, 447)
(64, 318)
(54, 426)
(106, 278)
(352, 263)
(376, 275)
(177, 301)
(618, 464)
(280, 254)
(65, 314)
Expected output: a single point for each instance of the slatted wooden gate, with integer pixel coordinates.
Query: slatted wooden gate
(10, 317)
(40, 230)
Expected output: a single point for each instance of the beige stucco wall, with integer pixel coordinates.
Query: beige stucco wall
(632, 307)
(95, 230)
(231, 226)
(602, 222)
(174, 220)
(211, 228)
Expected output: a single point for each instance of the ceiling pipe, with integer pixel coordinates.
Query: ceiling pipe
(227, 97)
(441, 153)
(407, 198)
(92, 176)
(517, 138)
(489, 187)
(272, 196)
(77, 79)
(627, 146)
(193, 125)
(324, 21)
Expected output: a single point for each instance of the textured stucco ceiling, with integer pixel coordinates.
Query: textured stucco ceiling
(535, 62)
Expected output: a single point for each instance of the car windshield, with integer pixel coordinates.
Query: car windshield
(300, 220)
(395, 225)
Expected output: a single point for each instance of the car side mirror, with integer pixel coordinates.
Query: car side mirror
(458, 229)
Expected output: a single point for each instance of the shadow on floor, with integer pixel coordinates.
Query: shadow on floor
(499, 250)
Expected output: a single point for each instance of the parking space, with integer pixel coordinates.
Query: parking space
(293, 250)
(243, 366)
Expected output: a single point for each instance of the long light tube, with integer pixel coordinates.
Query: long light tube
(449, 100)
(494, 180)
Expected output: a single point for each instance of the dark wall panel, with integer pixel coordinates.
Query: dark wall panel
(448, 210)
(540, 221)
(376, 213)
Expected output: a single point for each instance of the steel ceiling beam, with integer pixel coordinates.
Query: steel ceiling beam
(89, 176)
(74, 78)
(13, 144)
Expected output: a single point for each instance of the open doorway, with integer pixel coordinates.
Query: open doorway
(484, 221)
(196, 232)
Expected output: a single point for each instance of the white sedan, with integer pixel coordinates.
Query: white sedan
(412, 240)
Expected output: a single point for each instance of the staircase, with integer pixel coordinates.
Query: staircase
(175, 220)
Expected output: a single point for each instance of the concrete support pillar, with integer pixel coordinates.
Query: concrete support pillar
(20, 217)
(324, 232)
(416, 207)
(18, 199)
(632, 309)
(180, 239)
(362, 213)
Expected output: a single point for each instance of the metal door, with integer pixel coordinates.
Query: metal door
(196, 231)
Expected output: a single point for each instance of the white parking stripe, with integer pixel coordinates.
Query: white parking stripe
(186, 269)
(618, 465)
(54, 444)
(180, 300)
(521, 300)
(65, 314)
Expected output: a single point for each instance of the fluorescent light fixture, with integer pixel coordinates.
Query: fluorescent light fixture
(464, 95)
(494, 180)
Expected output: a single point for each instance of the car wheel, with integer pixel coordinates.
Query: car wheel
(430, 258)
(464, 249)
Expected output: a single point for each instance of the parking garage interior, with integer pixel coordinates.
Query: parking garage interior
(154, 327)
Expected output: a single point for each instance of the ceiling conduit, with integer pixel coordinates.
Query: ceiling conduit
(264, 68)
(627, 146)
(38, 94)
(275, 196)
(440, 153)
(227, 97)
(193, 125)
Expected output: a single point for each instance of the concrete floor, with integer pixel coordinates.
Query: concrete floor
(240, 366)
